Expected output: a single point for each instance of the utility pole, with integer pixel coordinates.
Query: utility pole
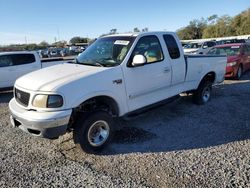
(58, 34)
(25, 38)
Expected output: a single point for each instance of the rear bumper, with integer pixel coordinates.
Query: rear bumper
(42, 124)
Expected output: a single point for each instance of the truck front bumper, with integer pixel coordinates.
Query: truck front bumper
(43, 124)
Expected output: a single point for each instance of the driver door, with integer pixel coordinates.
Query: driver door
(147, 84)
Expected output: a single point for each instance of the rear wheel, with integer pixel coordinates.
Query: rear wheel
(93, 132)
(203, 94)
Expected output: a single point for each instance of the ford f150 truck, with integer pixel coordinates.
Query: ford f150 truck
(16, 64)
(116, 76)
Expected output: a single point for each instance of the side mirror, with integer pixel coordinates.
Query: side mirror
(204, 47)
(139, 60)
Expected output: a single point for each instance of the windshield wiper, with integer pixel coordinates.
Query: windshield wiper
(92, 64)
(96, 63)
(107, 58)
(99, 64)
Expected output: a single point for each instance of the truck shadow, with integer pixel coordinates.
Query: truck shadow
(6, 96)
(183, 125)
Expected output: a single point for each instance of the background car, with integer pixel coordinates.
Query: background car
(229, 41)
(238, 58)
(199, 48)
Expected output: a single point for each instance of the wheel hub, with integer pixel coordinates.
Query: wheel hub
(98, 133)
(206, 94)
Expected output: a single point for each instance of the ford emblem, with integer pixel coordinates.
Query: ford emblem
(18, 95)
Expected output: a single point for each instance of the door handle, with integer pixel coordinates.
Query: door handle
(166, 70)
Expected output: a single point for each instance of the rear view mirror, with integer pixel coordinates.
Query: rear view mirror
(139, 60)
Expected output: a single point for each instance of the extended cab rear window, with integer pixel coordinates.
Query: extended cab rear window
(16, 59)
(172, 46)
(21, 59)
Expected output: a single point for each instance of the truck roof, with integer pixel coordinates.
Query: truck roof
(17, 52)
(133, 34)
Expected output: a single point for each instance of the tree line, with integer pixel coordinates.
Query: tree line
(215, 26)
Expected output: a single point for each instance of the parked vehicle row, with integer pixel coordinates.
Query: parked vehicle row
(60, 52)
(204, 47)
(116, 77)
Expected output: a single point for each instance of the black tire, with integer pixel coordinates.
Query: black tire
(239, 73)
(87, 130)
(203, 93)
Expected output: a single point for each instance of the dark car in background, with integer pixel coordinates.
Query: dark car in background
(43, 53)
(238, 58)
(229, 41)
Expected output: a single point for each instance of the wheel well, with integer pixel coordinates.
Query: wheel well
(209, 76)
(104, 103)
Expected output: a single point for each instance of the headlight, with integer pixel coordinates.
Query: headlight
(231, 64)
(54, 101)
(48, 101)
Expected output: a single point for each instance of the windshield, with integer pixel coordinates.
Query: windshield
(229, 51)
(106, 52)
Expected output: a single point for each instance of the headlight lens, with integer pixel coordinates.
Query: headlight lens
(54, 101)
(40, 101)
(48, 101)
(231, 64)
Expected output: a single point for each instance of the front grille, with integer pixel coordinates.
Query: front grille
(22, 97)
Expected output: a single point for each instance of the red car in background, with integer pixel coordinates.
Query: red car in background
(238, 58)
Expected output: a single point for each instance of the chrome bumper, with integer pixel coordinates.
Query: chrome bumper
(42, 124)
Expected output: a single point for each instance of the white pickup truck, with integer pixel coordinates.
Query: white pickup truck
(117, 76)
(16, 64)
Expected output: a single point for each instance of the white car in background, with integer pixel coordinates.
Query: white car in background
(16, 64)
(198, 47)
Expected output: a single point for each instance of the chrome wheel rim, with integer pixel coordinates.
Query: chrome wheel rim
(98, 133)
(206, 94)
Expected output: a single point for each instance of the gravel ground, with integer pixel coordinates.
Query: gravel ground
(176, 145)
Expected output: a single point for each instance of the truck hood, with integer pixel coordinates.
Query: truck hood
(48, 79)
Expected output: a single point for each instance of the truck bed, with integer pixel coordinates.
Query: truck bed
(197, 64)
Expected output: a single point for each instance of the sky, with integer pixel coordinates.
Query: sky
(33, 21)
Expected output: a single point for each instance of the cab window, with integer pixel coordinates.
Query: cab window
(21, 59)
(150, 47)
(16, 59)
(172, 46)
(5, 61)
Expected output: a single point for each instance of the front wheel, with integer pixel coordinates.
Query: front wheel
(93, 132)
(203, 94)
